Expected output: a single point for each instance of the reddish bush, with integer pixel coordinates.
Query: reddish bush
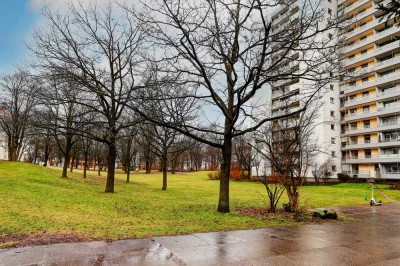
(235, 173)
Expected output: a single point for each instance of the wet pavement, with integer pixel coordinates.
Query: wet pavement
(374, 239)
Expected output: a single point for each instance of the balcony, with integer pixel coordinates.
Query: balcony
(363, 28)
(372, 39)
(360, 115)
(354, 6)
(287, 102)
(361, 130)
(392, 125)
(387, 63)
(390, 174)
(395, 108)
(359, 174)
(361, 145)
(376, 52)
(357, 101)
(378, 81)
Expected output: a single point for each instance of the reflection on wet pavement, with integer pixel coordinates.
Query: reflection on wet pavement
(372, 239)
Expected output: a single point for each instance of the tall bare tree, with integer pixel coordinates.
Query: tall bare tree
(224, 53)
(17, 100)
(99, 48)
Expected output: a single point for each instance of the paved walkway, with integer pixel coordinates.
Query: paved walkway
(372, 240)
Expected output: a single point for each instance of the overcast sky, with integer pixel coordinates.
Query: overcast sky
(18, 18)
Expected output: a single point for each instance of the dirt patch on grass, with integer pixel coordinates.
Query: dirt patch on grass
(303, 216)
(37, 239)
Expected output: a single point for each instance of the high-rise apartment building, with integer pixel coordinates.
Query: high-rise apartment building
(370, 92)
(290, 94)
(360, 116)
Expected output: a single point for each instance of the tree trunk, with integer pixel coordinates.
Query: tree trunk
(128, 171)
(164, 171)
(46, 154)
(223, 203)
(98, 168)
(72, 164)
(68, 148)
(112, 155)
(85, 164)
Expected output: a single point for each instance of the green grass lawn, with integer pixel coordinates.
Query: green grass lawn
(392, 193)
(35, 199)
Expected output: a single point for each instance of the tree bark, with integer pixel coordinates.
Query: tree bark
(164, 171)
(112, 155)
(72, 164)
(46, 154)
(223, 203)
(128, 171)
(85, 164)
(68, 148)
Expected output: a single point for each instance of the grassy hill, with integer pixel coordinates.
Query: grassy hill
(36, 201)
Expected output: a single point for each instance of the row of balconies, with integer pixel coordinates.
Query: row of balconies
(388, 93)
(369, 174)
(376, 52)
(350, 145)
(353, 6)
(372, 113)
(383, 126)
(378, 81)
(378, 66)
(287, 102)
(381, 158)
(374, 38)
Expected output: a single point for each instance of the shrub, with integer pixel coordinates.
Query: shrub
(395, 186)
(343, 177)
(235, 173)
(214, 175)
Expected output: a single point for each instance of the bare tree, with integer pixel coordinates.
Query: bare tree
(290, 146)
(243, 154)
(17, 100)
(127, 149)
(273, 184)
(322, 170)
(99, 49)
(224, 53)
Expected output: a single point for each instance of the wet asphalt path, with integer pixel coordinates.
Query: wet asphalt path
(374, 239)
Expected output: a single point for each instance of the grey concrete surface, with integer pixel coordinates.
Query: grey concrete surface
(374, 239)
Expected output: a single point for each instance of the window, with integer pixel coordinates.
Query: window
(331, 87)
(365, 94)
(367, 138)
(365, 110)
(333, 168)
(332, 113)
(364, 52)
(367, 154)
(367, 124)
(332, 140)
(363, 38)
(330, 74)
(333, 153)
(364, 65)
(332, 100)
(353, 83)
(365, 79)
(332, 127)
(329, 11)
